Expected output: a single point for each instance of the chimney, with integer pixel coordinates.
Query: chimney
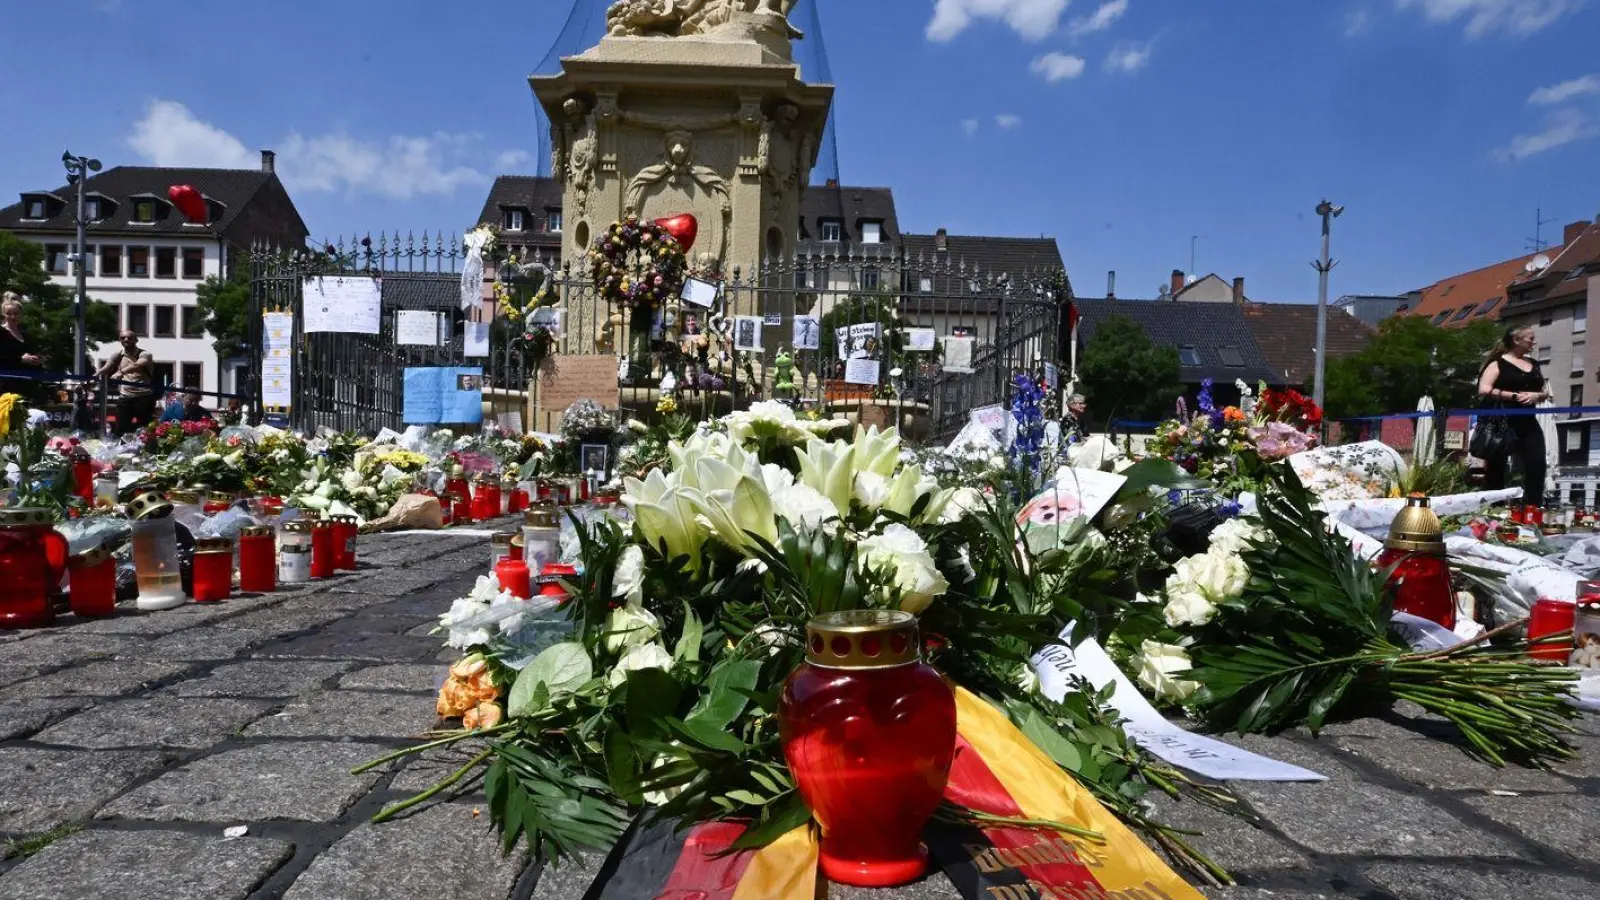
(1571, 232)
(1238, 292)
(941, 241)
(1177, 281)
(1111, 285)
(269, 161)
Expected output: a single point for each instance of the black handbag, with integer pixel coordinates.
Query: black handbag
(1492, 438)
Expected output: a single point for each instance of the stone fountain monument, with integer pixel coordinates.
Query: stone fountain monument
(685, 106)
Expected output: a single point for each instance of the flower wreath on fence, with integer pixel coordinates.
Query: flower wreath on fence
(637, 265)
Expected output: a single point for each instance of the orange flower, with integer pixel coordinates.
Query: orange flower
(1232, 414)
(482, 686)
(484, 715)
(455, 699)
(468, 666)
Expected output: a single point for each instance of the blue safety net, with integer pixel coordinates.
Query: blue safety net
(586, 24)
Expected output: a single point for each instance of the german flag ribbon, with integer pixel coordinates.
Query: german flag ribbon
(997, 770)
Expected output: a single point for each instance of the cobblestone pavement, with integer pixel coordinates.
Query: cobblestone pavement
(129, 745)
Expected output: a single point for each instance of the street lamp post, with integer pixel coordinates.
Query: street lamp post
(78, 169)
(1323, 265)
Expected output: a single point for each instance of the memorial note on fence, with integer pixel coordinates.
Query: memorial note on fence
(567, 378)
(416, 327)
(443, 395)
(351, 304)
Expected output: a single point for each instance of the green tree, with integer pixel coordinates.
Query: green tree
(47, 314)
(224, 307)
(1410, 357)
(1127, 377)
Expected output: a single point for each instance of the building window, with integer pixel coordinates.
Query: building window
(1188, 356)
(193, 374)
(1575, 396)
(86, 260)
(552, 220)
(871, 233)
(166, 262)
(194, 262)
(1577, 358)
(91, 210)
(869, 279)
(1543, 355)
(110, 261)
(144, 211)
(513, 220)
(164, 371)
(166, 321)
(974, 286)
(1489, 306)
(1465, 311)
(802, 278)
(1576, 496)
(1546, 317)
(925, 285)
(55, 259)
(1230, 356)
(1442, 316)
(194, 324)
(963, 331)
(1580, 318)
(138, 262)
(35, 209)
(832, 230)
(138, 320)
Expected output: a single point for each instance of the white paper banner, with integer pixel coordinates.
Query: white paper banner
(475, 339)
(1056, 664)
(343, 304)
(416, 327)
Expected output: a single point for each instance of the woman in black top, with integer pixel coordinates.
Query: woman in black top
(1511, 379)
(17, 352)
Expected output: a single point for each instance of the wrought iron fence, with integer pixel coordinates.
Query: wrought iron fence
(815, 330)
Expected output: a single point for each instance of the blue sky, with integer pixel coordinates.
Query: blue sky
(1122, 128)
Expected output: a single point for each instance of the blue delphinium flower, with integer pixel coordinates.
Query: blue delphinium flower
(1025, 409)
(1207, 405)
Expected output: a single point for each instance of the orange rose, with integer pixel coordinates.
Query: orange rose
(482, 686)
(468, 666)
(455, 698)
(484, 715)
(1233, 414)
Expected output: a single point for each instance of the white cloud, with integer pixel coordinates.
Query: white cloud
(1566, 90)
(1053, 67)
(1008, 121)
(512, 159)
(400, 166)
(969, 127)
(1519, 17)
(1129, 56)
(1561, 127)
(1358, 21)
(1103, 18)
(1032, 19)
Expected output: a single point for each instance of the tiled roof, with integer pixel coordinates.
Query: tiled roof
(421, 290)
(234, 188)
(536, 196)
(851, 206)
(1286, 334)
(989, 256)
(1566, 277)
(1481, 292)
(1208, 328)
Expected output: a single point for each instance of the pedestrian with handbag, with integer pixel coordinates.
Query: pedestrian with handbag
(1511, 379)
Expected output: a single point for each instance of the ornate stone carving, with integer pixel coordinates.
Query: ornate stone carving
(677, 167)
(680, 18)
(577, 161)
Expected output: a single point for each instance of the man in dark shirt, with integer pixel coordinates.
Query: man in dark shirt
(192, 411)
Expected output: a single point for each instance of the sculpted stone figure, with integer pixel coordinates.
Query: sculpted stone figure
(679, 18)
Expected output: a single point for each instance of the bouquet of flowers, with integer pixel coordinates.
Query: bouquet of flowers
(162, 438)
(657, 689)
(1231, 447)
(366, 488)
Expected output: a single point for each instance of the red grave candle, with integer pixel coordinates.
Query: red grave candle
(93, 588)
(484, 505)
(83, 476)
(1420, 576)
(324, 554)
(513, 576)
(461, 512)
(345, 529)
(33, 556)
(258, 560)
(1551, 617)
(869, 732)
(213, 569)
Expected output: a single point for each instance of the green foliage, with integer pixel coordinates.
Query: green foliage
(224, 307)
(1409, 358)
(1127, 377)
(47, 313)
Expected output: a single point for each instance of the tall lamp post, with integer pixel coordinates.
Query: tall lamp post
(1323, 265)
(78, 169)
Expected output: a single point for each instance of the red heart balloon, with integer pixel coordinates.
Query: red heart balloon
(683, 227)
(189, 202)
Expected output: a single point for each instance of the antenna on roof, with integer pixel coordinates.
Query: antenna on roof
(1537, 244)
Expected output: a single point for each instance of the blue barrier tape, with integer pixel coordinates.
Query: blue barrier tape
(53, 377)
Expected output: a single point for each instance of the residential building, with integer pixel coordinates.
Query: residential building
(146, 259)
(952, 282)
(1458, 300)
(1208, 289)
(527, 208)
(1286, 334)
(1370, 309)
(1557, 298)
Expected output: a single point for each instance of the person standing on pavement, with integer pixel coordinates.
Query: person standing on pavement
(17, 351)
(1511, 379)
(134, 370)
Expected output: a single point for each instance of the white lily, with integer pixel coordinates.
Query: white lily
(662, 513)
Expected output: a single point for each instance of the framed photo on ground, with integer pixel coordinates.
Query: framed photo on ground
(593, 457)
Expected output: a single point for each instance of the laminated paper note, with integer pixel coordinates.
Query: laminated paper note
(700, 293)
(349, 304)
(861, 371)
(958, 354)
(920, 339)
(747, 333)
(807, 333)
(416, 327)
(475, 339)
(1056, 665)
(443, 395)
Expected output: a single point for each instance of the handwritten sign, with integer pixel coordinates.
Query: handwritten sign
(920, 339)
(442, 395)
(565, 379)
(351, 305)
(416, 327)
(861, 371)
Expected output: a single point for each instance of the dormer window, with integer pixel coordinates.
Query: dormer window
(513, 220)
(552, 220)
(871, 232)
(144, 210)
(35, 208)
(832, 230)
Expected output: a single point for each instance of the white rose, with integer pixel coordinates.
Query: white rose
(963, 502)
(1187, 607)
(628, 580)
(1158, 663)
(350, 480)
(871, 489)
(1221, 576)
(644, 656)
(902, 553)
(630, 626)
(804, 506)
(776, 479)
(1234, 536)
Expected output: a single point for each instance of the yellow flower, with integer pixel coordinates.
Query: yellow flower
(8, 402)
(667, 404)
